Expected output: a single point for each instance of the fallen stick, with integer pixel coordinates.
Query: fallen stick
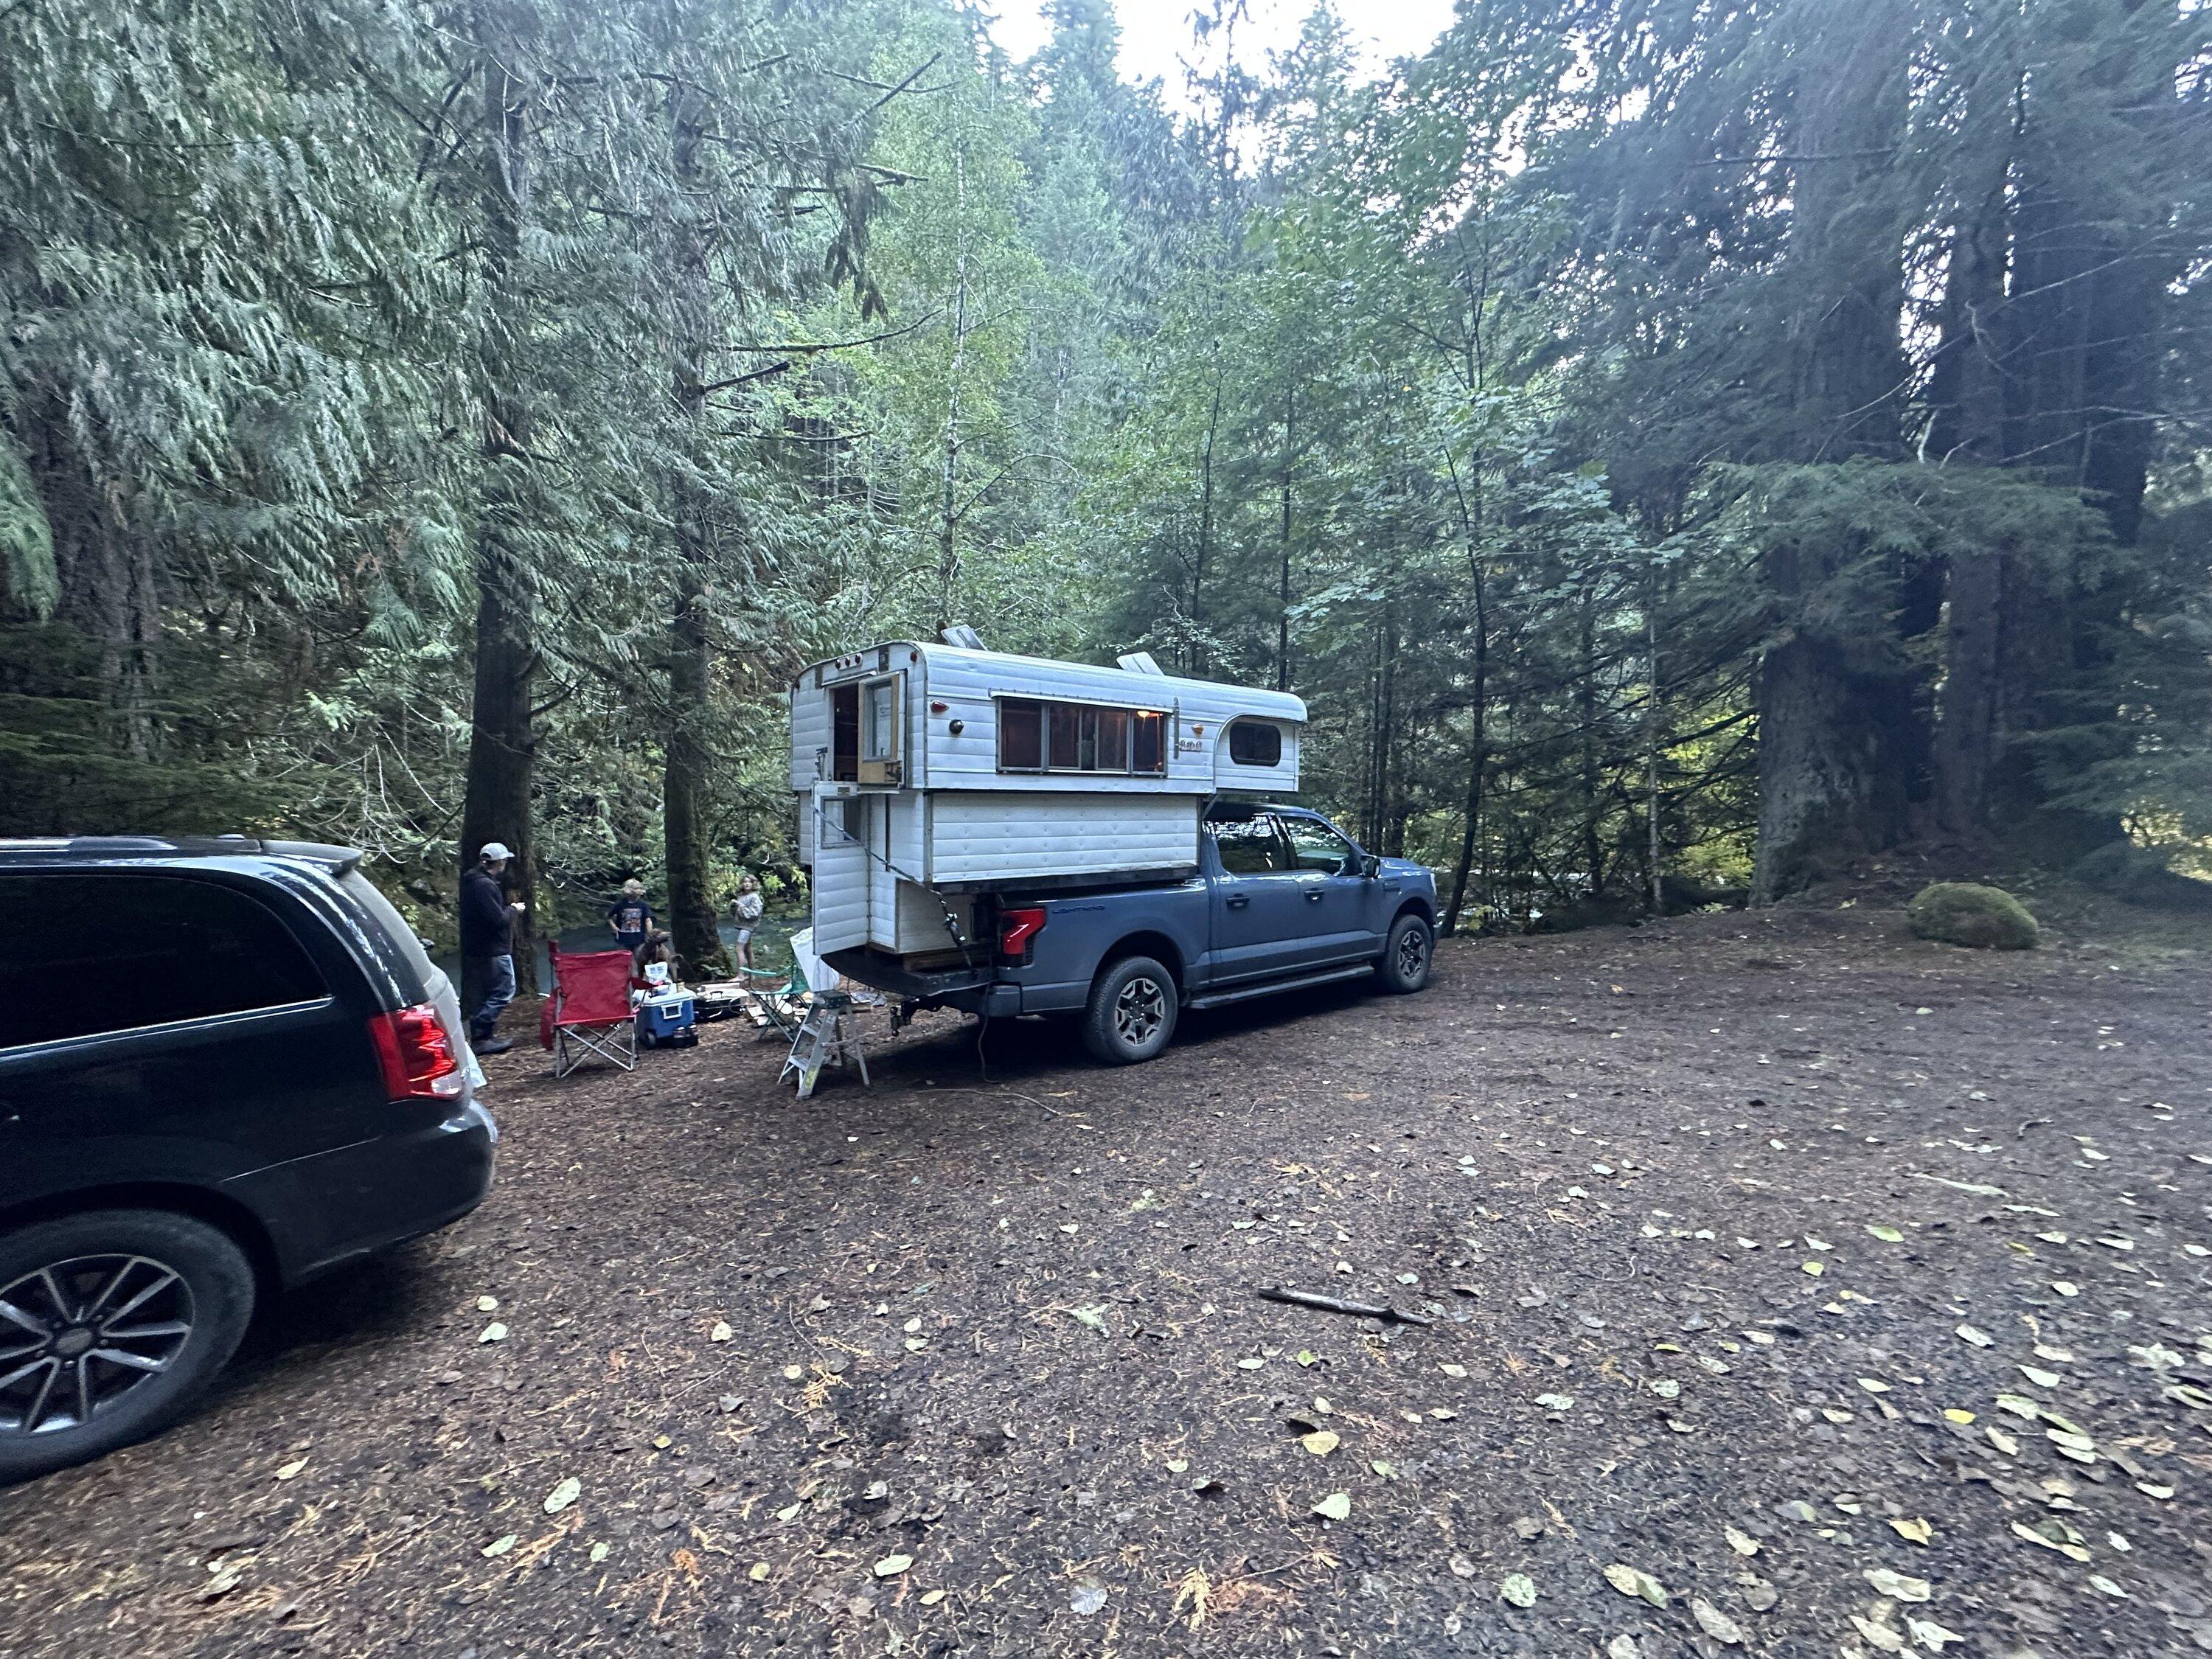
(1335, 1304)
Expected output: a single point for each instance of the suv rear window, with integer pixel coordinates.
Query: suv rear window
(85, 954)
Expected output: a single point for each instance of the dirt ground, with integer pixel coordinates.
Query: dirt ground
(1837, 1291)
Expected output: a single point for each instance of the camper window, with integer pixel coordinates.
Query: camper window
(879, 721)
(1252, 743)
(879, 731)
(1035, 736)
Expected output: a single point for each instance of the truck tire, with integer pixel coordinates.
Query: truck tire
(1132, 1012)
(122, 1318)
(1403, 967)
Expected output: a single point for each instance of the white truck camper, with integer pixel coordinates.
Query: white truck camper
(931, 776)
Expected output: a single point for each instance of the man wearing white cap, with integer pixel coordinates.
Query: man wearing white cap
(488, 945)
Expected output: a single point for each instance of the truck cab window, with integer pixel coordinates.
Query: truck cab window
(1250, 847)
(1314, 846)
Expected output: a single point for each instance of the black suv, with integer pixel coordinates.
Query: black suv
(224, 1066)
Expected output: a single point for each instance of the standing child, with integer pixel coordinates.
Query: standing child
(747, 911)
(629, 917)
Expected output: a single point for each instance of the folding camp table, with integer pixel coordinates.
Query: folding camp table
(589, 1011)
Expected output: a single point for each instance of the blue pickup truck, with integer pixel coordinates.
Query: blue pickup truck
(1282, 900)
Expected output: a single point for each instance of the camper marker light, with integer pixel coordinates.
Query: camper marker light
(1017, 928)
(940, 708)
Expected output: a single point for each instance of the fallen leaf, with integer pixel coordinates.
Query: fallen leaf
(1715, 1622)
(721, 1333)
(1927, 1633)
(1979, 1339)
(1630, 1581)
(1899, 1586)
(493, 1332)
(891, 1565)
(501, 1546)
(1741, 1542)
(931, 1598)
(1337, 1507)
(291, 1468)
(563, 1495)
(1887, 1235)
(1088, 1596)
(1519, 1588)
(1916, 1531)
(1321, 1443)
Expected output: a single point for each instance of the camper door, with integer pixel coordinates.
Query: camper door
(867, 723)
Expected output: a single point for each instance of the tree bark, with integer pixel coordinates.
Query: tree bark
(686, 839)
(1835, 773)
(496, 800)
(1970, 426)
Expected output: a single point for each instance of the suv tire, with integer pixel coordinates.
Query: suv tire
(1408, 954)
(1131, 1015)
(169, 1293)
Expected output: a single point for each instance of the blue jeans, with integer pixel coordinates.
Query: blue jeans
(499, 991)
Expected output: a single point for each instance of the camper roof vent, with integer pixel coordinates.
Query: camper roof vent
(1139, 662)
(962, 635)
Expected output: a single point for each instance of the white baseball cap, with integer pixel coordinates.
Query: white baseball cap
(494, 849)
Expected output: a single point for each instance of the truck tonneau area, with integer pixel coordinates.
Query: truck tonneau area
(885, 972)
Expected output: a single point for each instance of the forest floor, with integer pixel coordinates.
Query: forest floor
(1834, 1290)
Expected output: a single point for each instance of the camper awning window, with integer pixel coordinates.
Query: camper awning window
(1037, 735)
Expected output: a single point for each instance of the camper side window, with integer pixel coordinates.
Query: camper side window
(1253, 744)
(1035, 736)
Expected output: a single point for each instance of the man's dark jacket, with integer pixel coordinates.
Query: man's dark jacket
(487, 924)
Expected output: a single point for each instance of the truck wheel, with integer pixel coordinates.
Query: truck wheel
(116, 1323)
(1132, 1012)
(1403, 967)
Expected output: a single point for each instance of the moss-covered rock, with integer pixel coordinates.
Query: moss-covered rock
(1965, 913)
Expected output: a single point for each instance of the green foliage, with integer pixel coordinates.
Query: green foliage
(1521, 410)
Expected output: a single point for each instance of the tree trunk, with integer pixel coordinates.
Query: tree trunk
(1835, 757)
(1283, 597)
(683, 807)
(501, 730)
(1970, 425)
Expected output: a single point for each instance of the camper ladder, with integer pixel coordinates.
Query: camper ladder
(829, 1036)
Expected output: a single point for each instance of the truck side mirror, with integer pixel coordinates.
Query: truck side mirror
(1370, 866)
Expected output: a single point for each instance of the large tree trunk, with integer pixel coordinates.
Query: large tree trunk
(1969, 428)
(1834, 771)
(502, 738)
(686, 843)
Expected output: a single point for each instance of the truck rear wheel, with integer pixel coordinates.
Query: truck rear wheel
(1403, 967)
(1132, 1012)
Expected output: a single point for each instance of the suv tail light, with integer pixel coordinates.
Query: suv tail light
(1016, 929)
(414, 1054)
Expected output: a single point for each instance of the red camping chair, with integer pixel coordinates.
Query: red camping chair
(589, 1011)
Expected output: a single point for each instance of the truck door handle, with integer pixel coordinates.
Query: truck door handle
(1315, 897)
(1238, 900)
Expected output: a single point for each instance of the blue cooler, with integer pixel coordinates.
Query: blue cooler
(667, 1019)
